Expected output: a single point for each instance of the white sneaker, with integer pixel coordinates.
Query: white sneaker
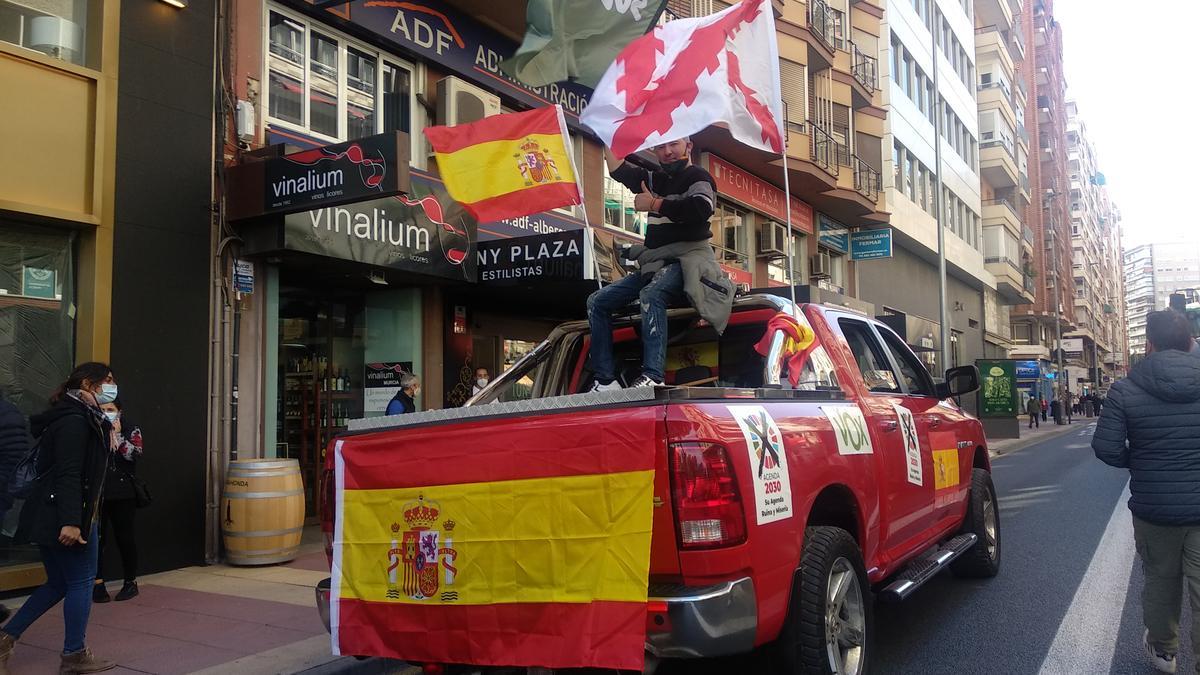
(1162, 662)
(645, 381)
(598, 387)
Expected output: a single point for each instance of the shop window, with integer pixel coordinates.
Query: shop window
(36, 313)
(67, 30)
(618, 207)
(731, 234)
(321, 83)
(777, 267)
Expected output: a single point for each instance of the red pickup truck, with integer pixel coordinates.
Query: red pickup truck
(807, 463)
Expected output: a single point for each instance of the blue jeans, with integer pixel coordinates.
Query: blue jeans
(70, 573)
(654, 294)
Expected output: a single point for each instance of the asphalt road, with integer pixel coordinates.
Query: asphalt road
(1068, 597)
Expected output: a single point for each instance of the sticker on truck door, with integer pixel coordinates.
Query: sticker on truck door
(912, 443)
(850, 428)
(768, 462)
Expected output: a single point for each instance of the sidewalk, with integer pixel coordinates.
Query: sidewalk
(210, 620)
(1048, 430)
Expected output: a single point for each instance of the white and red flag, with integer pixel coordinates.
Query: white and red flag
(692, 73)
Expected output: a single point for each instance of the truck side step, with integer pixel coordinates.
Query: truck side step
(925, 567)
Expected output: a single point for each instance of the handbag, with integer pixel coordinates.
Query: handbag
(141, 491)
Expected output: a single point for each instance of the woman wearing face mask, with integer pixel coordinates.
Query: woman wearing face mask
(120, 503)
(62, 513)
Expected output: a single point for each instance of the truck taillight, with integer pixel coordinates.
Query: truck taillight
(327, 506)
(704, 491)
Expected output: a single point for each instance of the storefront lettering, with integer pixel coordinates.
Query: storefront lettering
(526, 253)
(488, 59)
(376, 227)
(421, 33)
(435, 29)
(528, 223)
(309, 182)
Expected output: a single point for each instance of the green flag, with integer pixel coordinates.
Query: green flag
(577, 39)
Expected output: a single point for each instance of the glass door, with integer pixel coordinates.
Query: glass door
(320, 378)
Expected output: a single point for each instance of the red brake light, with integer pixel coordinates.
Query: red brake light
(707, 505)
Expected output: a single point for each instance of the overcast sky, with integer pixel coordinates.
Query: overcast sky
(1132, 68)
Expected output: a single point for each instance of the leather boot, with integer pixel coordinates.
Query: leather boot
(83, 662)
(6, 649)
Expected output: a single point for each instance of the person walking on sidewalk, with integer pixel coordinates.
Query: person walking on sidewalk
(1150, 425)
(1034, 408)
(1045, 407)
(120, 504)
(62, 512)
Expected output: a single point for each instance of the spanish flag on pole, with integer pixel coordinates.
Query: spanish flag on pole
(507, 166)
(496, 546)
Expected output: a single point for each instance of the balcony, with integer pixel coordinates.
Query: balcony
(820, 38)
(867, 181)
(824, 149)
(1002, 212)
(998, 163)
(1017, 40)
(1010, 280)
(1027, 239)
(865, 69)
(994, 12)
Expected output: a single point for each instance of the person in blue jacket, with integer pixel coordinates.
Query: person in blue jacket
(405, 400)
(1150, 424)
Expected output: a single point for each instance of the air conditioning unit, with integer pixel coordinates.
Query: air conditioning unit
(772, 240)
(821, 265)
(460, 103)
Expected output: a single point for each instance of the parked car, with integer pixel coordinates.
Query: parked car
(795, 483)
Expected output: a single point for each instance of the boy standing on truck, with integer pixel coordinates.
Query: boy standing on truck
(677, 262)
(1148, 425)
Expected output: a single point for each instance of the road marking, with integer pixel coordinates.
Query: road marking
(1087, 637)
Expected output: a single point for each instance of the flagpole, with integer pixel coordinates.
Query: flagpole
(787, 205)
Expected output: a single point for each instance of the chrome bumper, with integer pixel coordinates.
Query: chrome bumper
(322, 592)
(714, 620)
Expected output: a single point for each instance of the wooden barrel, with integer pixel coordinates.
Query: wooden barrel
(262, 511)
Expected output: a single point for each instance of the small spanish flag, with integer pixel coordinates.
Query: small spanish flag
(507, 166)
(497, 543)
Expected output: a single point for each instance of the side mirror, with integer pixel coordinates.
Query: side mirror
(959, 381)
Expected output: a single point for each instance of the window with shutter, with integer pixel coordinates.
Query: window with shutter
(792, 79)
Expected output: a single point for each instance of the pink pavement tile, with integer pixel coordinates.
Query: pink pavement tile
(283, 615)
(248, 636)
(185, 658)
(27, 659)
(106, 641)
(316, 562)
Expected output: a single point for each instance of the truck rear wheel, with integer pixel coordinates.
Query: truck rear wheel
(983, 520)
(828, 629)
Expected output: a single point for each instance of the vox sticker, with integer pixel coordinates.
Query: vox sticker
(850, 427)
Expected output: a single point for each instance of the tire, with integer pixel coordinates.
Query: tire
(982, 561)
(830, 557)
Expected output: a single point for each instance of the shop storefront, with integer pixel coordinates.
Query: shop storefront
(37, 330)
(750, 227)
(346, 286)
